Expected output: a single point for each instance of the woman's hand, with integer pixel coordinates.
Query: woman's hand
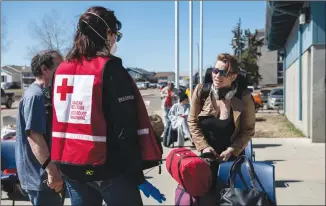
(225, 155)
(209, 150)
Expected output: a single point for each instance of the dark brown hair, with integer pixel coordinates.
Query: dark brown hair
(87, 43)
(44, 58)
(230, 61)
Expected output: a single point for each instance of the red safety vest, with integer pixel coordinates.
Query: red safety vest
(78, 126)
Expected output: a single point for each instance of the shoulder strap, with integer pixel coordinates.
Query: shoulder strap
(204, 93)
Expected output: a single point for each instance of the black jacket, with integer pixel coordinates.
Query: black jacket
(121, 117)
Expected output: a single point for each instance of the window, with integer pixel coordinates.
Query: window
(3, 78)
(277, 92)
(27, 74)
(265, 92)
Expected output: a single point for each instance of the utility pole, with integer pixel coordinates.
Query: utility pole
(201, 42)
(176, 43)
(190, 50)
(198, 67)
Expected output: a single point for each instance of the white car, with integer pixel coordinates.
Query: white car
(141, 85)
(251, 89)
(275, 98)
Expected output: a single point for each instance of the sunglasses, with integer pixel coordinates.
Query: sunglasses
(118, 36)
(222, 72)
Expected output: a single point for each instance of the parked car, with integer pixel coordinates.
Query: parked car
(141, 85)
(12, 85)
(7, 98)
(152, 85)
(251, 89)
(275, 98)
(25, 86)
(161, 85)
(264, 95)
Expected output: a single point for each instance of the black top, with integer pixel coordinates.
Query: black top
(217, 132)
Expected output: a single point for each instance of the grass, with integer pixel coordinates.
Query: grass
(292, 128)
(275, 126)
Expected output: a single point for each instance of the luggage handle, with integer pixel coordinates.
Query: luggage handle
(237, 165)
(211, 157)
(251, 170)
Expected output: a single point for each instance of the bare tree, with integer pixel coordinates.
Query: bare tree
(50, 32)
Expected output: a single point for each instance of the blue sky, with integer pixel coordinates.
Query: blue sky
(147, 27)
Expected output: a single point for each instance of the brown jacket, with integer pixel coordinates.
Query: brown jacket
(243, 114)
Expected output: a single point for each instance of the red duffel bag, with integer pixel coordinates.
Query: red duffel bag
(190, 171)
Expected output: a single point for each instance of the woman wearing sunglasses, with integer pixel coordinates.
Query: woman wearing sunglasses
(223, 121)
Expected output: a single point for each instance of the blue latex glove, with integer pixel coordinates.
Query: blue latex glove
(149, 190)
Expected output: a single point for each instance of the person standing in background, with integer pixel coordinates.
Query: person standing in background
(169, 97)
(178, 116)
(33, 140)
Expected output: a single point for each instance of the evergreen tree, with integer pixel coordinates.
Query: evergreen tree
(248, 52)
(238, 49)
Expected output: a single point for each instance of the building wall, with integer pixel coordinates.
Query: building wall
(292, 46)
(135, 75)
(317, 89)
(313, 74)
(268, 66)
(8, 77)
(312, 33)
(11, 78)
(318, 16)
(166, 79)
(292, 93)
(16, 78)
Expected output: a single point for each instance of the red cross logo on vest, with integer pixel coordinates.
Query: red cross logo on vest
(64, 89)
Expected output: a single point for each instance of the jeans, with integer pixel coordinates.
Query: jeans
(45, 197)
(115, 192)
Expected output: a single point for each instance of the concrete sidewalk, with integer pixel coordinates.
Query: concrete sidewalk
(299, 170)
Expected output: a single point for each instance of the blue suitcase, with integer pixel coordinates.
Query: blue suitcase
(249, 151)
(265, 173)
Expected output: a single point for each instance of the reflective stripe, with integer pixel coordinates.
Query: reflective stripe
(143, 131)
(79, 136)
